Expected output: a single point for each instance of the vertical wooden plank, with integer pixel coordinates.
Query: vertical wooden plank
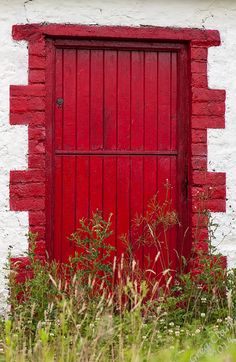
(68, 206)
(82, 192)
(58, 94)
(173, 233)
(150, 167)
(149, 190)
(96, 101)
(174, 105)
(137, 143)
(58, 191)
(123, 101)
(123, 203)
(163, 173)
(82, 187)
(137, 100)
(167, 113)
(109, 196)
(164, 97)
(110, 99)
(96, 184)
(83, 99)
(151, 101)
(136, 205)
(69, 106)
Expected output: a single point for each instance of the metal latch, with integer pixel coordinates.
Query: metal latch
(59, 102)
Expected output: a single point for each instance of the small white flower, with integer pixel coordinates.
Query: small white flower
(203, 315)
(197, 331)
(171, 324)
(229, 319)
(177, 333)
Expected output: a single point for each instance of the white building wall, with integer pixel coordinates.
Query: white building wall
(218, 14)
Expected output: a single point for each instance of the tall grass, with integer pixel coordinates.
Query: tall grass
(102, 308)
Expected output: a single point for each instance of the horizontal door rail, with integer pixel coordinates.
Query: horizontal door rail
(115, 153)
(118, 45)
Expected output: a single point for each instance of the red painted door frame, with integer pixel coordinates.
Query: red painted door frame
(184, 243)
(27, 107)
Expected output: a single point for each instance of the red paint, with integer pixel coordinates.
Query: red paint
(118, 149)
(36, 32)
(206, 108)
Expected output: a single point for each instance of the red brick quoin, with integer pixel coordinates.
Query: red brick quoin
(28, 106)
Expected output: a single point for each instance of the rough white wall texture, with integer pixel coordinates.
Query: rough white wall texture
(218, 14)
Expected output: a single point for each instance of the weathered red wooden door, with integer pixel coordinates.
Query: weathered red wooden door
(119, 134)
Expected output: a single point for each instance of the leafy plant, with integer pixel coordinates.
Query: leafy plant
(93, 255)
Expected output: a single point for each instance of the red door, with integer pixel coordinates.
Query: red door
(119, 134)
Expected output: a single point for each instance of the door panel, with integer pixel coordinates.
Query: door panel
(115, 138)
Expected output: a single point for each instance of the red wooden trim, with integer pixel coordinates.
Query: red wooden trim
(117, 152)
(111, 44)
(184, 167)
(32, 105)
(49, 159)
(197, 36)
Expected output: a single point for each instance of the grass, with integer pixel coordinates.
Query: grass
(99, 308)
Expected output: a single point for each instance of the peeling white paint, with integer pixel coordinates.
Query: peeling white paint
(208, 14)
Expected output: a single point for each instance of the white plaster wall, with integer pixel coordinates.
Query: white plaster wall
(218, 14)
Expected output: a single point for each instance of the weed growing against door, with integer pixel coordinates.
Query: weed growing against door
(92, 259)
(116, 313)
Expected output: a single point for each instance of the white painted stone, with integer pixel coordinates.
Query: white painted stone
(219, 14)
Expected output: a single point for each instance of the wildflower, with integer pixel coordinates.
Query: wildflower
(171, 324)
(177, 333)
(203, 315)
(229, 319)
(170, 331)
